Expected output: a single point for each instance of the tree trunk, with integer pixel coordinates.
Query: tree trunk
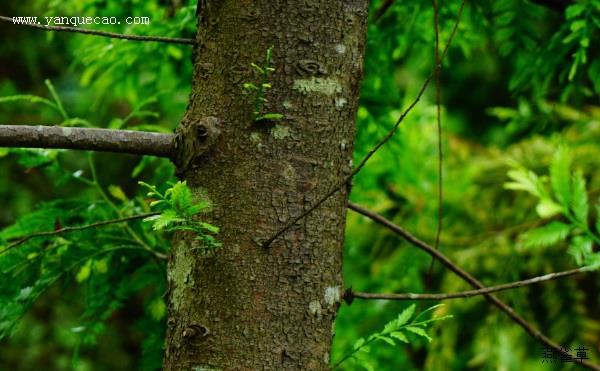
(247, 307)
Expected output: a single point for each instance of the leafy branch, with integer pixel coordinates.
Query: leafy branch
(582, 19)
(178, 211)
(396, 329)
(562, 193)
(23, 239)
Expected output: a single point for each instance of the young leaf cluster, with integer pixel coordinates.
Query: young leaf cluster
(178, 211)
(561, 194)
(257, 92)
(395, 330)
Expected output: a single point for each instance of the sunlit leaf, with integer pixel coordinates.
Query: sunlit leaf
(560, 175)
(579, 199)
(399, 336)
(581, 249)
(117, 193)
(84, 272)
(547, 235)
(158, 308)
(547, 208)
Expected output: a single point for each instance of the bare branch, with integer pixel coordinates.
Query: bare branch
(383, 141)
(536, 334)
(463, 294)
(112, 35)
(104, 140)
(21, 240)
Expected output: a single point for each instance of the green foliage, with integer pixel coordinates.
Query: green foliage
(583, 19)
(83, 257)
(505, 94)
(178, 210)
(518, 80)
(545, 236)
(396, 329)
(568, 197)
(111, 264)
(539, 56)
(102, 289)
(257, 92)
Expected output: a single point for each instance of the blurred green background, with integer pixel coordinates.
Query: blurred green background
(519, 81)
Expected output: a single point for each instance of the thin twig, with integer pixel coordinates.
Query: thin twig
(112, 35)
(463, 294)
(92, 139)
(21, 240)
(383, 141)
(536, 334)
(461, 10)
(438, 62)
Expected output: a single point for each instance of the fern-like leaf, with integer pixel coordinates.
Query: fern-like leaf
(579, 198)
(560, 176)
(547, 235)
(580, 249)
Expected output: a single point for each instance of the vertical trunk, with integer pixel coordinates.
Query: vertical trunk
(247, 307)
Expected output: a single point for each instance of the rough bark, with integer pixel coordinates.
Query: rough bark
(246, 307)
(89, 139)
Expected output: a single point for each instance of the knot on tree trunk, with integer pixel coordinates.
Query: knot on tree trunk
(193, 140)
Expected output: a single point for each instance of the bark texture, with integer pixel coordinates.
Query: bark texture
(246, 307)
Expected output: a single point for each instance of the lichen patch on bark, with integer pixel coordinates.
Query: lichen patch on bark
(180, 274)
(321, 85)
(332, 296)
(280, 131)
